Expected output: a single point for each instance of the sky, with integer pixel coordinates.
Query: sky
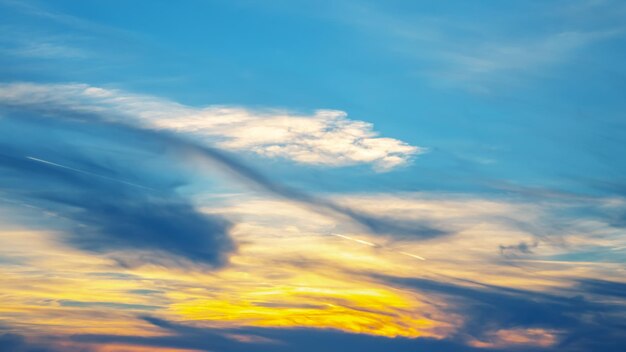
(345, 175)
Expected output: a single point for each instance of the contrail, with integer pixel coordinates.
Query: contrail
(356, 240)
(376, 245)
(413, 256)
(87, 173)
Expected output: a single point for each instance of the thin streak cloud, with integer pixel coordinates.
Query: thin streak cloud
(85, 172)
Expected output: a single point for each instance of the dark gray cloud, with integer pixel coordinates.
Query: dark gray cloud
(516, 250)
(17, 343)
(603, 287)
(581, 321)
(584, 324)
(273, 340)
(107, 187)
(11, 342)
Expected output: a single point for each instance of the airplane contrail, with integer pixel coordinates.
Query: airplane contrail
(87, 173)
(356, 240)
(413, 255)
(377, 246)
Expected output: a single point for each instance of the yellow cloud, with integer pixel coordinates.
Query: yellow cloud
(291, 270)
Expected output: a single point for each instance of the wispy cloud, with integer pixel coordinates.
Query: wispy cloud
(480, 66)
(49, 50)
(28, 43)
(482, 56)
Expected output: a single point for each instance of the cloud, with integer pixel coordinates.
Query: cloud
(374, 223)
(493, 313)
(18, 343)
(495, 49)
(603, 287)
(327, 137)
(12, 342)
(114, 188)
(291, 275)
(87, 178)
(67, 105)
(481, 66)
(520, 249)
(44, 50)
(270, 340)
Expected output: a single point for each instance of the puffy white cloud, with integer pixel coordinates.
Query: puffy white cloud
(325, 137)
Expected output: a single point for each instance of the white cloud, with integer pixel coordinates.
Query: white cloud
(326, 137)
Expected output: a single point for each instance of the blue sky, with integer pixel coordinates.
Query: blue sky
(150, 138)
(533, 99)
